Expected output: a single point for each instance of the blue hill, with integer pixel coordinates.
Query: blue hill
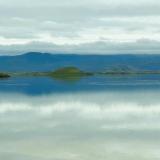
(46, 62)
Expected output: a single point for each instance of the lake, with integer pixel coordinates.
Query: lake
(107, 117)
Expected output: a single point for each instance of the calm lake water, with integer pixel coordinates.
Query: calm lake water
(93, 118)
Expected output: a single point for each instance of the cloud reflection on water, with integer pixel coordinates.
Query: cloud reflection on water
(81, 125)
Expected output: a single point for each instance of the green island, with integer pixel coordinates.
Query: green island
(71, 73)
(4, 75)
(68, 73)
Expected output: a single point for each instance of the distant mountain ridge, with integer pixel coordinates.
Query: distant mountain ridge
(35, 61)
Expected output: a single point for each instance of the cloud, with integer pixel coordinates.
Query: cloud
(142, 46)
(70, 23)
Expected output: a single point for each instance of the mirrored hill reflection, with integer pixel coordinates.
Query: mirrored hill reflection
(46, 85)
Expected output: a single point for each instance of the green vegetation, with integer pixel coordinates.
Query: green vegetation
(68, 74)
(72, 74)
(126, 70)
(129, 72)
(69, 71)
(4, 75)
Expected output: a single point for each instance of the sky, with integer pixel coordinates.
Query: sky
(80, 26)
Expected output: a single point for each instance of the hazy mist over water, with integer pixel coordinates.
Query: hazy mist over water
(80, 125)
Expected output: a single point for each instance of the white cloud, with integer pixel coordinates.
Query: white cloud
(142, 46)
(74, 22)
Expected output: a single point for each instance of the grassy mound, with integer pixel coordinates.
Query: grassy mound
(69, 71)
(4, 75)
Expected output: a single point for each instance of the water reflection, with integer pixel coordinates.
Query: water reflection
(68, 79)
(80, 125)
(47, 85)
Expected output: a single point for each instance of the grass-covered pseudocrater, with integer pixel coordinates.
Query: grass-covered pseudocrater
(4, 75)
(69, 73)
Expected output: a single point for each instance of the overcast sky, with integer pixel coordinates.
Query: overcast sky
(80, 26)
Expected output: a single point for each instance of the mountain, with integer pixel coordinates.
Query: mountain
(47, 62)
